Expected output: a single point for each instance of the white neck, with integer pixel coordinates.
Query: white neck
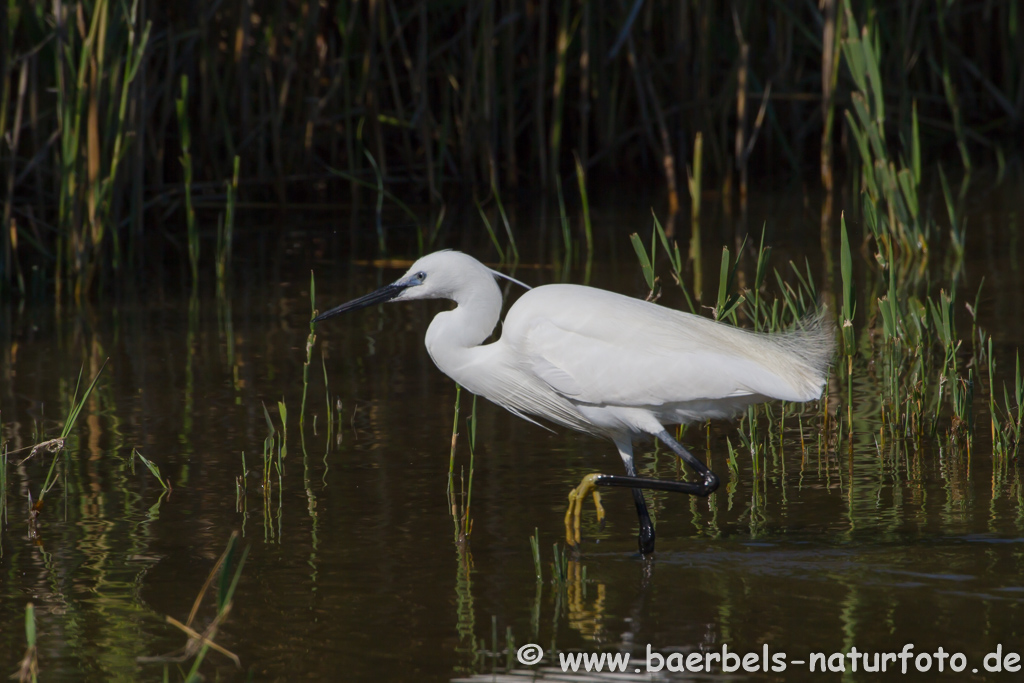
(454, 336)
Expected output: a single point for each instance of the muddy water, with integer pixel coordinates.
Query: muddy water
(354, 570)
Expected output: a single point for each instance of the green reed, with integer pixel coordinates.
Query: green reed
(491, 233)
(226, 229)
(800, 300)
(1007, 418)
(181, 106)
(387, 96)
(4, 516)
(957, 225)
(565, 16)
(467, 523)
(891, 203)
(761, 318)
(455, 435)
(793, 303)
(559, 566)
(3, 478)
(675, 259)
(694, 176)
(646, 267)
(949, 88)
(28, 668)
(460, 502)
(94, 135)
(275, 450)
(505, 222)
(563, 221)
(327, 401)
(848, 314)
(9, 253)
(378, 213)
(729, 298)
(915, 355)
(282, 450)
(310, 343)
(241, 489)
(57, 446)
(510, 648)
(535, 550)
(994, 419)
(151, 466)
(588, 230)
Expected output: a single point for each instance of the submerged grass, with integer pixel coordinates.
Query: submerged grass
(226, 572)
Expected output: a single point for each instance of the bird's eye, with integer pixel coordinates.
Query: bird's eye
(421, 276)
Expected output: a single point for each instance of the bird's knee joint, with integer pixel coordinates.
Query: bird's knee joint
(710, 484)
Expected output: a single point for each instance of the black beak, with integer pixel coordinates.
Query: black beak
(386, 293)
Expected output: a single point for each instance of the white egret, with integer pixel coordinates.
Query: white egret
(605, 364)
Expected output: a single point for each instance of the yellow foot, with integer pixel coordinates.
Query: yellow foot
(576, 498)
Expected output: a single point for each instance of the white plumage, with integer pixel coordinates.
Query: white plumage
(601, 362)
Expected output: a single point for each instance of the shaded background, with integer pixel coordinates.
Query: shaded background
(444, 101)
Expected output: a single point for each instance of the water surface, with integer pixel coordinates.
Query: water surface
(355, 571)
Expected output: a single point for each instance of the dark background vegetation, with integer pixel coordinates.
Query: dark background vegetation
(451, 100)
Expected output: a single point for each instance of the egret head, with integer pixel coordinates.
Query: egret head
(441, 275)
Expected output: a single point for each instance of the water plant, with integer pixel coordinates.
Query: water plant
(535, 548)
(28, 669)
(225, 230)
(310, 343)
(387, 99)
(227, 572)
(3, 481)
(181, 105)
(275, 449)
(460, 502)
(57, 445)
(151, 466)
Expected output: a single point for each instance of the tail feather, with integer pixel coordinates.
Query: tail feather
(812, 341)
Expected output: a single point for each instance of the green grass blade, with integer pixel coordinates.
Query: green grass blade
(645, 262)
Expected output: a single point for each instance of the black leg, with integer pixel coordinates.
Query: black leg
(645, 539)
(710, 482)
(707, 486)
(638, 483)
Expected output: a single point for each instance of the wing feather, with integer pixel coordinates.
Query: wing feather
(597, 347)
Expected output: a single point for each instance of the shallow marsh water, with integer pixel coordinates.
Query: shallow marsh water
(354, 572)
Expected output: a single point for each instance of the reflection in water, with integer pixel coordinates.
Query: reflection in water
(468, 651)
(832, 529)
(586, 620)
